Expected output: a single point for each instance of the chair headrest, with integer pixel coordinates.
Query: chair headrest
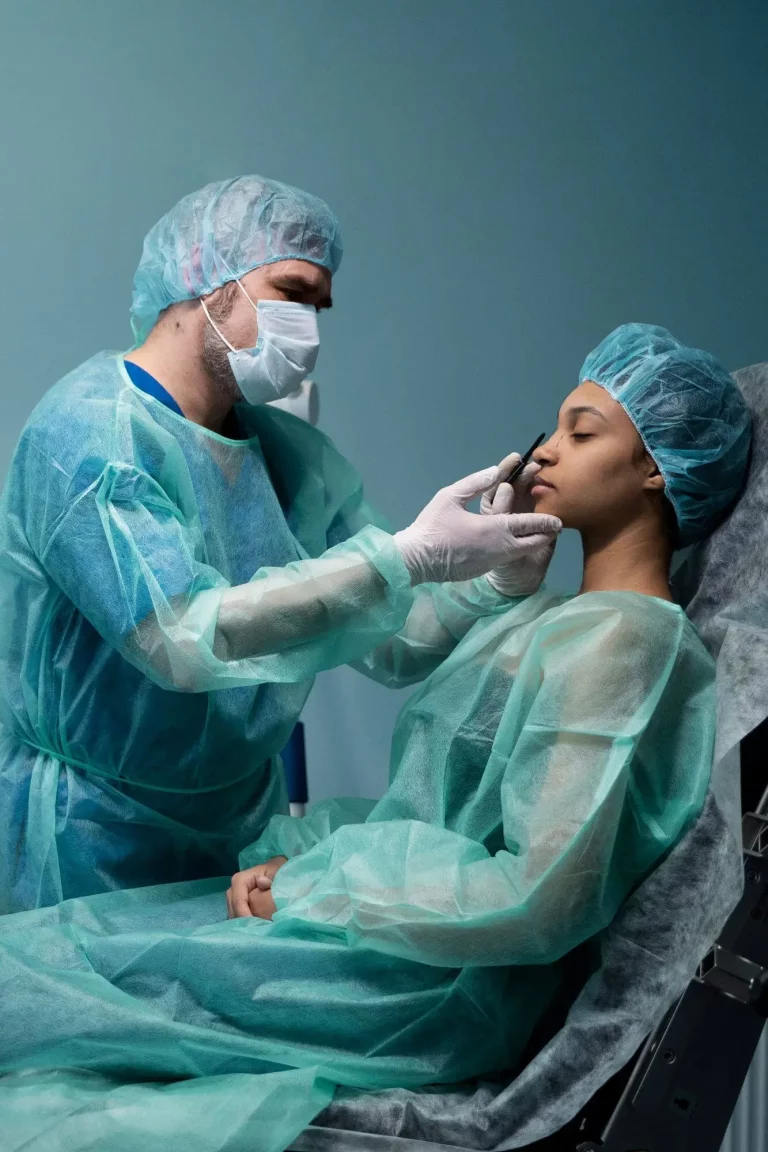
(723, 586)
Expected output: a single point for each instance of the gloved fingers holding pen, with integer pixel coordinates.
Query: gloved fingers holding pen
(517, 494)
(447, 542)
(524, 576)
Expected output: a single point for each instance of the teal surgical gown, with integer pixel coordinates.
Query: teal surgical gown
(539, 774)
(166, 597)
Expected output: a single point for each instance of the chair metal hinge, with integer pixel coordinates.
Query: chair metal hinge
(734, 976)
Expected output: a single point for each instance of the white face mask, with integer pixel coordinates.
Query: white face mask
(284, 354)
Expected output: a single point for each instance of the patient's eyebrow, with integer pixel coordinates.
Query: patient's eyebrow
(580, 409)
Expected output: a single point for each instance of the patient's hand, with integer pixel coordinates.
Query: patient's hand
(250, 892)
(261, 904)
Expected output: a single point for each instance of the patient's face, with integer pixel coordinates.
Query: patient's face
(596, 464)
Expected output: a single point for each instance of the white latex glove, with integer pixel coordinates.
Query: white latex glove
(524, 575)
(446, 542)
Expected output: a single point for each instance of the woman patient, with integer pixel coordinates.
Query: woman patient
(544, 767)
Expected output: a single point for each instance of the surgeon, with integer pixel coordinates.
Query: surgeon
(179, 561)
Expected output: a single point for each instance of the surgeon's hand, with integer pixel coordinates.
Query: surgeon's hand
(446, 542)
(524, 575)
(250, 892)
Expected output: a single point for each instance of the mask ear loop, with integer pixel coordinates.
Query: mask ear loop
(215, 327)
(240, 286)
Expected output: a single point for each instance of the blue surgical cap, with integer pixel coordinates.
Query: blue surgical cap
(223, 231)
(689, 413)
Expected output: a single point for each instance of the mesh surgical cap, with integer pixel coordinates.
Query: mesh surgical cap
(222, 232)
(689, 413)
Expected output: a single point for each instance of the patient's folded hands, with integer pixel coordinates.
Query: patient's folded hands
(250, 893)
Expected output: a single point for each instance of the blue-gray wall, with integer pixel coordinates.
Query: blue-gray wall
(514, 178)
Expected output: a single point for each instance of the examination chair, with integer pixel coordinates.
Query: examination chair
(620, 1070)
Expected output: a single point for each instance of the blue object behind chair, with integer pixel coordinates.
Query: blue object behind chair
(295, 764)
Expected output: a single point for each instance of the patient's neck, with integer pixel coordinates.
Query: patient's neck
(633, 558)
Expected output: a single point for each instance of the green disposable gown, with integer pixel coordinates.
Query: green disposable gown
(539, 774)
(166, 597)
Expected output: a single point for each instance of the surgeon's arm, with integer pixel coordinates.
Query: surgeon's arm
(136, 567)
(577, 836)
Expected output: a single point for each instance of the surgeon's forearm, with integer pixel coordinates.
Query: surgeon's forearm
(283, 626)
(274, 620)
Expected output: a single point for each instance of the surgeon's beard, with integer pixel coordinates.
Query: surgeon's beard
(217, 367)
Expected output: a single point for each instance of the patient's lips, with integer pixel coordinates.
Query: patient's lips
(541, 486)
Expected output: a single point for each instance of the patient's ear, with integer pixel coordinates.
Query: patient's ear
(654, 481)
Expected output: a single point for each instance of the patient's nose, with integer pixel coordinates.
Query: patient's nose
(547, 452)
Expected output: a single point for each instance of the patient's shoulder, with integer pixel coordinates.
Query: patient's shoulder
(618, 643)
(630, 615)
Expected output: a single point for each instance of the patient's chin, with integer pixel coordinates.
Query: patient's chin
(547, 502)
